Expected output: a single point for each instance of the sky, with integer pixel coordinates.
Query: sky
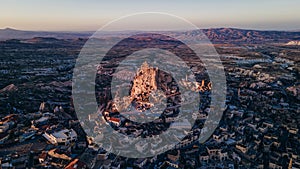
(90, 15)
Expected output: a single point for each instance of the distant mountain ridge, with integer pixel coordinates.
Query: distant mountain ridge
(233, 35)
(9, 33)
(293, 43)
(216, 35)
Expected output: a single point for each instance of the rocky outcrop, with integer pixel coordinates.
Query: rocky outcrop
(293, 43)
(143, 84)
(9, 88)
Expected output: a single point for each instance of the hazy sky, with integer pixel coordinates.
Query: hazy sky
(92, 14)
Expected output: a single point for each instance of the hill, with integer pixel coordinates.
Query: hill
(216, 35)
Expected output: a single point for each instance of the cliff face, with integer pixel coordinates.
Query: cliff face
(143, 84)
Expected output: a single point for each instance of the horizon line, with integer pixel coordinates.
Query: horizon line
(240, 28)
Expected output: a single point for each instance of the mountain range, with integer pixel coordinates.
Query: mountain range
(9, 33)
(216, 35)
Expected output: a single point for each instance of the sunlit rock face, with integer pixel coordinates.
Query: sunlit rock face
(293, 43)
(144, 85)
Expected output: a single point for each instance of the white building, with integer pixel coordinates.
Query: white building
(61, 137)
